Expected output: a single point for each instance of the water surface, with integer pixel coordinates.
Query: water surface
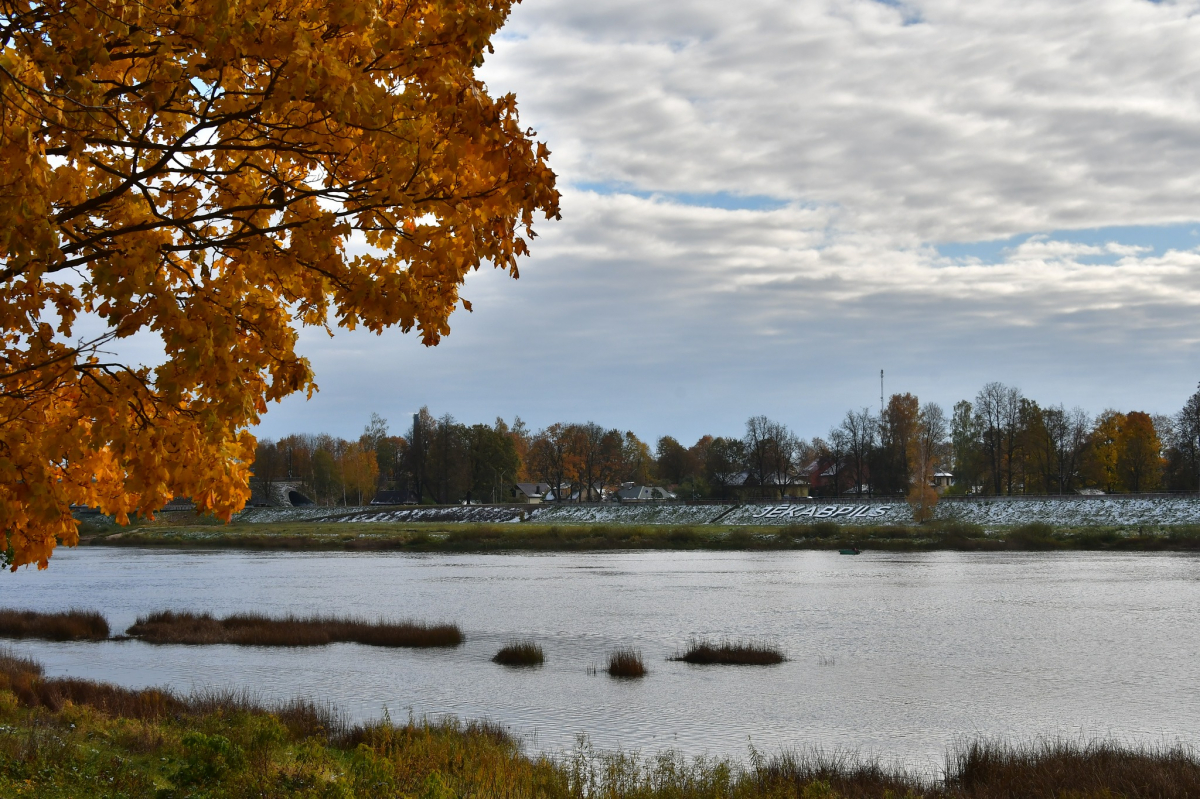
(890, 654)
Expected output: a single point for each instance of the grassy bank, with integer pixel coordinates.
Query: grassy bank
(254, 629)
(187, 531)
(64, 738)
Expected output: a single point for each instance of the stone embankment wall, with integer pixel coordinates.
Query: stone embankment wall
(988, 512)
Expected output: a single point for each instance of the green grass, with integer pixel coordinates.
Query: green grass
(187, 531)
(77, 739)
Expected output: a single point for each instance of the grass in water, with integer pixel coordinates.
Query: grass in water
(252, 629)
(77, 739)
(520, 653)
(626, 663)
(73, 625)
(741, 653)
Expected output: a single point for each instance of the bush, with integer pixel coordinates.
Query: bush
(826, 529)
(1036, 535)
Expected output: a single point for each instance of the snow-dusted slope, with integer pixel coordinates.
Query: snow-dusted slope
(993, 512)
(471, 513)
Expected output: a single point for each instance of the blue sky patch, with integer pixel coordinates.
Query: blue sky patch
(1159, 239)
(718, 199)
(910, 15)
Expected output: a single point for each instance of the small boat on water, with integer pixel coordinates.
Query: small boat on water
(854, 551)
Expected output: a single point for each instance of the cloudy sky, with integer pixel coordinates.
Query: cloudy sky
(766, 202)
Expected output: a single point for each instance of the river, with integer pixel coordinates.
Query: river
(891, 655)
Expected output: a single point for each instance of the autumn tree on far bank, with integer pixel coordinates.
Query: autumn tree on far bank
(194, 170)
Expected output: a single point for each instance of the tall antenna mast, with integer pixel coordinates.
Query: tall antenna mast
(881, 392)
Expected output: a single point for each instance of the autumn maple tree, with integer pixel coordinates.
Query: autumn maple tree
(216, 173)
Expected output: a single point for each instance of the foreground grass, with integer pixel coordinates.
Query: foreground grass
(75, 738)
(255, 629)
(182, 530)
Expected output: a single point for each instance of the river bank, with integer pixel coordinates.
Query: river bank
(192, 532)
(88, 740)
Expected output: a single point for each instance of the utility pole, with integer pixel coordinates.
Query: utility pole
(881, 393)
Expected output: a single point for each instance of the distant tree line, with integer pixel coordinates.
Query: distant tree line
(999, 443)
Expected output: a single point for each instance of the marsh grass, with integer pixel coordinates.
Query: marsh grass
(1057, 767)
(703, 652)
(520, 653)
(72, 625)
(252, 629)
(85, 740)
(626, 663)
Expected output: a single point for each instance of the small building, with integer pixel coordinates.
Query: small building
(530, 493)
(393, 498)
(942, 481)
(776, 486)
(561, 494)
(629, 492)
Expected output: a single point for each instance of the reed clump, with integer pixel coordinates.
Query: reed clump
(520, 653)
(626, 663)
(1057, 767)
(71, 625)
(731, 653)
(253, 629)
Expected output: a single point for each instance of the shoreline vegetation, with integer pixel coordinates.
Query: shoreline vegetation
(63, 737)
(190, 531)
(702, 652)
(253, 629)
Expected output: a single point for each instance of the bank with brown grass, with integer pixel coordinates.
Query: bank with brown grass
(253, 629)
(70, 625)
(69, 738)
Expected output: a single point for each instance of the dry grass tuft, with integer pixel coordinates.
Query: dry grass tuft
(520, 653)
(72, 625)
(987, 769)
(740, 653)
(45, 754)
(626, 663)
(252, 629)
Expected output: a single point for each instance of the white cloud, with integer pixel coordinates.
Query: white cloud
(884, 130)
(981, 121)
